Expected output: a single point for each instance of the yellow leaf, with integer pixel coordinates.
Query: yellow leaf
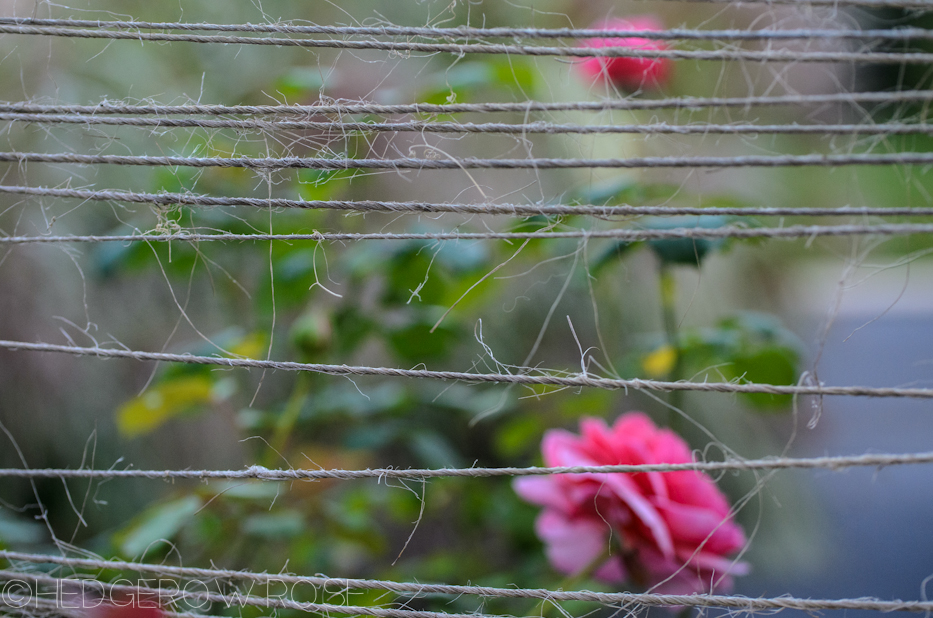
(660, 362)
(160, 403)
(250, 346)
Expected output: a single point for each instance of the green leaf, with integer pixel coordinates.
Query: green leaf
(434, 450)
(412, 276)
(275, 526)
(300, 83)
(771, 365)
(343, 400)
(350, 329)
(515, 72)
(689, 251)
(606, 193)
(518, 437)
(753, 347)
(458, 82)
(414, 342)
(626, 190)
(158, 523)
(316, 185)
(110, 258)
(312, 333)
(17, 531)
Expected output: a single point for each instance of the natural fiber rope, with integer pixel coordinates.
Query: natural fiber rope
(108, 107)
(411, 163)
(467, 32)
(519, 210)
(661, 128)
(622, 598)
(616, 599)
(32, 607)
(806, 4)
(538, 379)
(778, 55)
(243, 600)
(265, 474)
(632, 235)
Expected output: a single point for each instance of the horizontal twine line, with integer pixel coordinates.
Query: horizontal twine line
(411, 163)
(33, 607)
(779, 55)
(467, 32)
(265, 474)
(242, 600)
(525, 379)
(794, 231)
(805, 4)
(368, 206)
(489, 127)
(347, 107)
(623, 598)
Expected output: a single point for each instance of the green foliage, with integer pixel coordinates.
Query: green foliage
(672, 251)
(750, 347)
(466, 79)
(299, 83)
(393, 303)
(159, 523)
(18, 531)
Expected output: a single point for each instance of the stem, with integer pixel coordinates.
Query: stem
(668, 290)
(286, 421)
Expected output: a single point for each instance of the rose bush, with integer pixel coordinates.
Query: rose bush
(674, 529)
(628, 73)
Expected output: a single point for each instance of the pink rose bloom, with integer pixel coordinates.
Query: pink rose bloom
(628, 73)
(675, 528)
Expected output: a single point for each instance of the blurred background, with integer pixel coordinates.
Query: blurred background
(851, 311)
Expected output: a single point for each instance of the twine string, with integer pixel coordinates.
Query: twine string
(519, 210)
(265, 474)
(528, 379)
(614, 599)
(351, 108)
(460, 49)
(453, 163)
(547, 128)
(467, 32)
(632, 235)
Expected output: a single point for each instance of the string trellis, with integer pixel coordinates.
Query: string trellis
(186, 177)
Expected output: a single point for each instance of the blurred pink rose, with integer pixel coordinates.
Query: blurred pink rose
(629, 73)
(143, 609)
(675, 528)
(127, 606)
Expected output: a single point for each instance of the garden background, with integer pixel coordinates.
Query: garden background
(852, 310)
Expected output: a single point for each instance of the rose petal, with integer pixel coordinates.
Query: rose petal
(695, 525)
(573, 545)
(678, 525)
(543, 491)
